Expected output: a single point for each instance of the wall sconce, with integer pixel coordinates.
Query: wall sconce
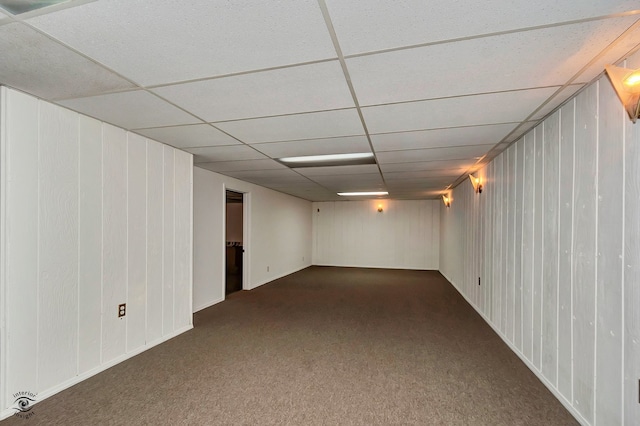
(446, 200)
(477, 186)
(379, 208)
(626, 83)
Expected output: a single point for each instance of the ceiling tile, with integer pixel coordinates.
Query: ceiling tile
(457, 136)
(189, 136)
(521, 130)
(367, 181)
(409, 22)
(168, 41)
(427, 165)
(557, 100)
(465, 152)
(305, 88)
(33, 63)
(242, 165)
(293, 127)
(131, 110)
(447, 173)
(340, 145)
(455, 112)
(273, 175)
(212, 154)
(338, 170)
(544, 57)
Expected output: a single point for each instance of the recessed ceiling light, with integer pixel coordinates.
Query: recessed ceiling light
(16, 7)
(351, 159)
(357, 194)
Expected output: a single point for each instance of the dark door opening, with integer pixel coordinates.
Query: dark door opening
(234, 241)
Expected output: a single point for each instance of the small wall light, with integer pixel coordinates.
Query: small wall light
(626, 83)
(475, 181)
(446, 200)
(379, 208)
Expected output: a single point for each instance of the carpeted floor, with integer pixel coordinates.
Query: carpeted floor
(324, 346)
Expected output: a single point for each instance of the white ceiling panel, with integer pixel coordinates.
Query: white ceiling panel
(31, 62)
(294, 127)
(447, 173)
(305, 88)
(443, 165)
(437, 138)
(168, 41)
(241, 165)
(455, 153)
(561, 97)
(409, 22)
(131, 110)
(273, 175)
(189, 136)
(521, 130)
(365, 182)
(344, 145)
(544, 57)
(212, 154)
(338, 170)
(455, 112)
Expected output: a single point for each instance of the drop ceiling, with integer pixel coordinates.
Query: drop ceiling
(433, 89)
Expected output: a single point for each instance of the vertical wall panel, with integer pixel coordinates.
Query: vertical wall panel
(114, 261)
(517, 264)
(584, 245)
(504, 207)
(609, 254)
(549, 344)
(497, 249)
(21, 243)
(527, 245)
(538, 266)
(182, 289)
(490, 249)
(510, 242)
(57, 245)
(632, 269)
(169, 241)
(89, 243)
(136, 241)
(155, 209)
(565, 259)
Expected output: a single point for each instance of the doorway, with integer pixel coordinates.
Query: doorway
(234, 240)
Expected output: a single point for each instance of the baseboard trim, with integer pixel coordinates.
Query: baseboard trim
(407, 268)
(84, 376)
(208, 305)
(526, 362)
(277, 277)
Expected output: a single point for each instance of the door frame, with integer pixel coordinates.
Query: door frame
(246, 237)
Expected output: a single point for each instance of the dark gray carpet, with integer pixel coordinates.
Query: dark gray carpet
(324, 346)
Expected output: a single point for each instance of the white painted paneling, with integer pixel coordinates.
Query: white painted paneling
(20, 113)
(75, 213)
(136, 241)
(572, 197)
(584, 246)
(182, 297)
(89, 243)
(609, 284)
(114, 246)
(57, 245)
(155, 184)
(169, 241)
(353, 233)
(565, 260)
(549, 232)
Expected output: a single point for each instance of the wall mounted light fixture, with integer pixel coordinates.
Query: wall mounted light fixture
(379, 208)
(626, 83)
(477, 184)
(446, 200)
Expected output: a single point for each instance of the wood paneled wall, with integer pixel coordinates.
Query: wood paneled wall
(557, 232)
(353, 233)
(92, 217)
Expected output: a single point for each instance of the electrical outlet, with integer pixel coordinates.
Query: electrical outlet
(122, 310)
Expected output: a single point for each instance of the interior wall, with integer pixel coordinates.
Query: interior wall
(353, 233)
(92, 217)
(555, 240)
(278, 242)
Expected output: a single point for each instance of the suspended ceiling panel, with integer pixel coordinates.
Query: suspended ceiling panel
(433, 89)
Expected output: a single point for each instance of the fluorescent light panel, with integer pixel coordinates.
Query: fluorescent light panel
(365, 193)
(329, 160)
(16, 7)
